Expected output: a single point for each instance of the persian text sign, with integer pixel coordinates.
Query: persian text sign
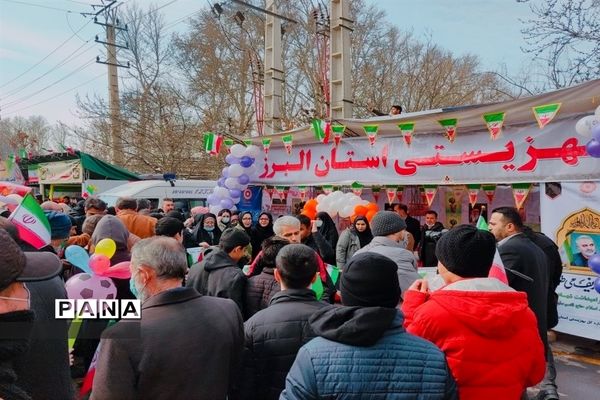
(578, 306)
(520, 155)
(60, 172)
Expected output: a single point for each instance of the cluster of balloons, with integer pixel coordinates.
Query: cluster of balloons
(234, 178)
(594, 264)
(95, 280)
(339, 203)
(590, 127)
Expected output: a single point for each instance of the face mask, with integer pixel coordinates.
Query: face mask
(138, 293)
(319, 223)
(225, 220)
(209, 228)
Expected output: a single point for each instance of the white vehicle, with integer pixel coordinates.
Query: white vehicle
(185, 193)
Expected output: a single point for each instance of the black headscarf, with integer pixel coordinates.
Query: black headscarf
(364, 237)
(261, 233)
(250, 230)
(199, 234)
(328, 229)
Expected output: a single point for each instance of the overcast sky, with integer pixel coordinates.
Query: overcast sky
(31, 29)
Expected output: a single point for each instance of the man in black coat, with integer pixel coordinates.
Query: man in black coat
(412, 224)
(186, 346)
(526, 266)
(430, 233)
(218, 274)
(274, 335)
(311, 237)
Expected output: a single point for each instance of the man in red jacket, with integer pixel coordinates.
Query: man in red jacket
(484, 327)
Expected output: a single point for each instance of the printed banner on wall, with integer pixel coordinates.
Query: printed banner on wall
(570, 215)
(522, 155)
(60, 172)
(251, 200)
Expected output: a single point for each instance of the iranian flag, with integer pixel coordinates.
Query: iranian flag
(449, 126)
(407, 130)
(520, 193)
(338, 131)
(494, 122)
(498, 271)
(212, 143)
(228, 143)
(391, 193)
(546, 113)
(266, 144)
(430, 192)
(30, 220)
(473, 193)
(287, 142)
(322, 130)
(371, 131)
(357, 188)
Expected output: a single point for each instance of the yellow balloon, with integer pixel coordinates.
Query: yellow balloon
(107, 247)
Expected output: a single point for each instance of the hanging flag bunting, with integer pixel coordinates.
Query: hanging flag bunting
(357, 188)
(228, 143)
(407, 130)
(322, 130)
(371, 131)
(458, 192)
(327, 189)
(490, 191)
(266, 144)
(400, 193)
(546, 113)
(302, 192)
(269, 190)
(338, 132)
(391, 193)
(247, 142)
(281, 191)
(449, 126)
(494, 122)
(430, 192)
(287, 142)
(376, 192)
(473, 193)
(520, 193)
(212, 143)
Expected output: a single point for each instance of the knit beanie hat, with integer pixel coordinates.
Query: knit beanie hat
(467, 251)
(387, 222)
(370, 280)
(60, 224)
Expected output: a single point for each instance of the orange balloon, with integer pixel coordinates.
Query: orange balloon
(372, 207)
(360, 210)
(312, 214)
(311, 205)
(370, 215)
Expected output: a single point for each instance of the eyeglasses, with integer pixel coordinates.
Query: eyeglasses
(263, 219)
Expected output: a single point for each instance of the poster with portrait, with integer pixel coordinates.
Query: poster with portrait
(453, 209)
(476, 210)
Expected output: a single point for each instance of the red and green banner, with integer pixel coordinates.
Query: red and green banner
(494, 122)
(302, 190)
(212, 143)
(546, 113)
(357, 188)
(228, 143)
(400, 193)
(490, 191)
(407, 130)
(322, 130)
(371, 131)
(327, 189)
(247, 142)
(473, 190)
(520, 193)
(391, 191)
(449, 126)
(376, 190)
(266, 144)
(430, 192)
(338, 132)
(287, 142)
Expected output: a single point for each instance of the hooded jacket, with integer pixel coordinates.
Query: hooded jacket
(218, 275)
(259, 291)
(486, 330)
(365, 353)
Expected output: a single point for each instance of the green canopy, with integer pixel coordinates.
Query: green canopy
(105, 170)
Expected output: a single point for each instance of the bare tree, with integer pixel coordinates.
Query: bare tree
(565, 35)
(30, 134)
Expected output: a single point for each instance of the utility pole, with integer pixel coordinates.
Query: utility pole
(273, 71)
(112, 25)
(341, 77)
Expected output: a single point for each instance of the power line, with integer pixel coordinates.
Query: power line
(39, 5)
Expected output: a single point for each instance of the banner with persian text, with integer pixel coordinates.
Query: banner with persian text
(570, 215)
(520, 154)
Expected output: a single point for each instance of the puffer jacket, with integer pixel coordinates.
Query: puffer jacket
(273, 338)
(365, 353)
(259, 291)
(486, 330)
(407, 269)
(347, 245)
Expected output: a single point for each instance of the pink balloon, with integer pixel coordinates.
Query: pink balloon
(119, 271)
(99, 263)
(88, 286)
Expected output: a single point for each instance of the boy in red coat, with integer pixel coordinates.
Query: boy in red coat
(484, 327)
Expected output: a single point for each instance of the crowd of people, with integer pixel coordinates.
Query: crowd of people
(243, 320)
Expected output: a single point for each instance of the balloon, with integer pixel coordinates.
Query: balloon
(594, 263)
(221, 182)
(252, 151)
(320, 197)
(77, 256)
(310, 204)
(370, 215)
(221, 191)
(597, 285)
(246, 161)
(214, 209)
(361, 210)
(235, 170)
(235, 201)
(231, 159)
(231, 183)
(226, 203)
(596, 132)
(372, 207)
(346, 211)
(584, 125)
(312, 214)
(89, 286)
(99, 263)
(107, 246)
(593, 148)
(119, 271)
(243, 179)
(211, 199)
(235, 193)
(237, 150)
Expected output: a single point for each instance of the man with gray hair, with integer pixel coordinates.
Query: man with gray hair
(179, 327)
(288, 227)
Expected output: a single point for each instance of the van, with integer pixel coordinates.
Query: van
(186, 193)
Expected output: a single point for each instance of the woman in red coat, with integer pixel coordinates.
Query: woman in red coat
(484, 327)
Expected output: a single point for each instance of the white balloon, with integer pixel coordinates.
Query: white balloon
(252, 151)
(231, 183)
(320, 197)
(237, 150)
(215, 209)
(584, 125)
(321, 207)
(235, 200)
(221, 191)
(235, 170)
(251, 171)
(346, 212)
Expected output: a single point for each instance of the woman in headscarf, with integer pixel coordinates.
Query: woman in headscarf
(206, 232)
(327, 228)
(357, 236)
(263, 230)
(224, 219)
(246, 223)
